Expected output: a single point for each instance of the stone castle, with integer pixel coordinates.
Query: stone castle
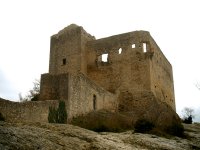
(112, 73)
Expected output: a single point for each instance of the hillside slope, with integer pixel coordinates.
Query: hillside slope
(63, 136)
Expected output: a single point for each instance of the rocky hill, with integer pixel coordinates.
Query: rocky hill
(44, 136)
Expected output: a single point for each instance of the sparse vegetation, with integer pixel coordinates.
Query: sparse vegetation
(188, 114)
(58, 115)
(143, 126)
(1, 117)
(104, 121)
(146, 126)
(52, 117)
(188, 120)
(61, 112)
(175, 129)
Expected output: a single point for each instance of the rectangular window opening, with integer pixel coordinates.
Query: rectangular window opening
(144, 47)
(133, 46)
(105, 57)
(64, 61)
(120, 51)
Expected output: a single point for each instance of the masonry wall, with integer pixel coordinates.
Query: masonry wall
(162, 83)
(125, 71)
(86, 96)
(54, 87)
(135, 63)
(67, 50)
(26, 111)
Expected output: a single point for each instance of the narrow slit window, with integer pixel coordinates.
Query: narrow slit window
(133, 46)
(105, 57)
(120, 51)
(144, 47)
(94, 102)
(64, 61)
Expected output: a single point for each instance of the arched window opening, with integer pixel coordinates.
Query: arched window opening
(120, 51)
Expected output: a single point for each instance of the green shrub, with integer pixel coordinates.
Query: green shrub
(176, 129)
(143, 125)
(52, 117)
(58, 115)
(1, 117)
(61, 112)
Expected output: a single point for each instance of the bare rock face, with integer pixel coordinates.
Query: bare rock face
(61, 136)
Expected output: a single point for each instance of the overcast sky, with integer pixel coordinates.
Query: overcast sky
(26, 27)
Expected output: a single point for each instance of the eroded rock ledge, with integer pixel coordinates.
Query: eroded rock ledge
(64, 136)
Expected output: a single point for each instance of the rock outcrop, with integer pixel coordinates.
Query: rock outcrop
(61, 136)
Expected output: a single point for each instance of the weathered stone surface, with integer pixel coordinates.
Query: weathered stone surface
(140, 105)
(60, 136)
(145, 105)
(31, 111)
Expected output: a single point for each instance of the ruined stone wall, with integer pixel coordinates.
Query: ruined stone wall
(162, 83)
(127, 67)
(67, 50)
(86, 96)
(36, 111)
(54, 87)
(64, 51)
(135, 63)
(85, 37)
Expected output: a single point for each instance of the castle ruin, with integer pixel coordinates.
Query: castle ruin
(93, 74)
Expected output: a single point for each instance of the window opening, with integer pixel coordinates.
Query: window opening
(144, 47)
(133, 46)
(64, 61)
(94, 102)
(105, 57)
(120, 50)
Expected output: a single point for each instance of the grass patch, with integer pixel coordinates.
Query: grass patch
(146, 126)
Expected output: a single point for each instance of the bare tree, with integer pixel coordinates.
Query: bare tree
(33, 94)
(188, 115)
(188, 112)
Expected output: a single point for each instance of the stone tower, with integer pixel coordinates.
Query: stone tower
(67, 50)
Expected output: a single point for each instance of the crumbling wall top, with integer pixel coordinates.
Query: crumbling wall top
(69, 29)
